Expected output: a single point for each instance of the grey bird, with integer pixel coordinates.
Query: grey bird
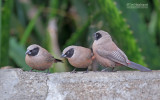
(108, 54)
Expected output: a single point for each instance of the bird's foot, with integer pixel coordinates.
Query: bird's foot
(104, 70)
(108, 70)
(31, 70)
(48, 71)
(74, 71)
(86, 71)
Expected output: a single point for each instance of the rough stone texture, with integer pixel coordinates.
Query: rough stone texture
(16, 84)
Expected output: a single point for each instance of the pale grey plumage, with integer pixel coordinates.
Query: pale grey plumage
(116, 56)
(109, 55)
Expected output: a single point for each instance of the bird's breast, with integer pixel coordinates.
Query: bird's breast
(38, 63)
(103, 61)
(80, 62)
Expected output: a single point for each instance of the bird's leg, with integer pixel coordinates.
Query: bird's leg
(86, 71)
(113, 69)
(31, 70)
(48, 71)
(74, 71)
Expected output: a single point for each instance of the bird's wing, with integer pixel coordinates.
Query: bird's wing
(50, 58)
(47, 56)
(124, 55)
(116, 55)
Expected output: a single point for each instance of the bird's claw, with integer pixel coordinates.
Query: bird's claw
(31, 70)
(86, 71)
(73, 71)
(106, 70)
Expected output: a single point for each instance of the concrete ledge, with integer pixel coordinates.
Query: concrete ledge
(16, 84)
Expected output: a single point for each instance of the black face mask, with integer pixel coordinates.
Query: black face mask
(34, 51)
(69, 53)
(97, 36)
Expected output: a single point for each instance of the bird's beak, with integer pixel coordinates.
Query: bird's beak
(63, 56)
(28, 52)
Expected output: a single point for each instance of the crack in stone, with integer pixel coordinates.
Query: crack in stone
(47, 86)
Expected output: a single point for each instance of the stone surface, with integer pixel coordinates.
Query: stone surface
(16, 84)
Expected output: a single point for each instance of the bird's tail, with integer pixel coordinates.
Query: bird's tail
(58, 60)
(138, 66)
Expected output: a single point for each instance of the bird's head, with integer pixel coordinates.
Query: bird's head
(68, 52)
(32, 50)
(101, 34)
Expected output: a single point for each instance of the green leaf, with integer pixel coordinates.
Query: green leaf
(5, 31)
(145, 39)
(17, 53)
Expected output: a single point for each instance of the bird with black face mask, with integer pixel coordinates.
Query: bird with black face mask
(78, 56)
(108, 54)
(39, 58)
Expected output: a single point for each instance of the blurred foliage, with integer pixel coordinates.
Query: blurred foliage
(143, 31)
(5, 35)
(25, 22)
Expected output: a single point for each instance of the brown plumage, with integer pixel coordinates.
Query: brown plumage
(78, 56)
(39, 58)
(108, 54)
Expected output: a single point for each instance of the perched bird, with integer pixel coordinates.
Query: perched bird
(78, 56)
(108, 54)
(39, 58)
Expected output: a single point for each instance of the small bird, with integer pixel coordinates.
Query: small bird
(39, 58)
(79, 57)
(108, 54)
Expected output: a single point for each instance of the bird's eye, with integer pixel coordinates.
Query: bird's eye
(68, 53)
(97, 36)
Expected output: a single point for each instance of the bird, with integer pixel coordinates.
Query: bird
(39, 58)
(108, 54)
(78, 56)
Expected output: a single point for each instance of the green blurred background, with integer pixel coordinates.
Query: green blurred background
(56, 24)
